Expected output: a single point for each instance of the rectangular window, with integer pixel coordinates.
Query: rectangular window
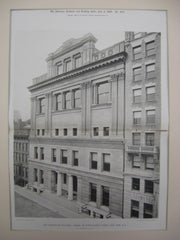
(150, 71)
(106, 131)
(42, 105)
(149, 139)
(135, 184)
(103, 93)
(149, 162)
(74, 131)
(77, 98)
(149, 186)
(58, 102)
(36, 152)
(75, 158)
(137, 74)
(150, 94)
(134, 209)
(64, 178)
(93, 163)
(64, 156)
(53, 155)
(105, 196)
(106, 162)
(150, 116)
(93, 192)
(41, 177)
(148, 210)
(136, 161)
(95, 131)
(137, 95)
(137, 117)
(65, 131)
(35, 175)
(77, 61)
(67, 100)
(136, 138)
(68, 66)
(41, 153)
(38, 132)
(137, 52)
(56, 132)
(59, 69)
(43, 132)
(150, 48)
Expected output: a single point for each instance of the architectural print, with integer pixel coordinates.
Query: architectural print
(94, 140)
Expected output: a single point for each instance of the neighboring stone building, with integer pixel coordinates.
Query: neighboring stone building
(143, 122)
(21, 154)
(81, 124)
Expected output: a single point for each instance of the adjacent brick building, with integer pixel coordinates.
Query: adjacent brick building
(85, 113)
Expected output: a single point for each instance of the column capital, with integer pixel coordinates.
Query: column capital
(117, 76)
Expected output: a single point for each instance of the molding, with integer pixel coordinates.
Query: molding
(91, 66)
(80, 142)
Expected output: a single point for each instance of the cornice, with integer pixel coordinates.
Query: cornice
(75, 72)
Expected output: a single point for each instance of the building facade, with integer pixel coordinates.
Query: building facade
(21, 155)
(83, 115)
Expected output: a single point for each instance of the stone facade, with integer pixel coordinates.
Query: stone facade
(81, 123)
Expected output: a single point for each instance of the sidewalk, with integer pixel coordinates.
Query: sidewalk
(60, 205)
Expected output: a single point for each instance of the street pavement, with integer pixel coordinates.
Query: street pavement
(59, 205)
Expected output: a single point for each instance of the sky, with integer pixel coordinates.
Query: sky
(35, 34)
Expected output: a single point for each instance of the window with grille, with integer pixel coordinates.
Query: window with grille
(93, 160)
(67, 100)
(58, 102)
(135, 183)
(134, 209)
(150, 116)
(150, 71)
(136, 138)
(149, 186)
(149, 162)
(136, 161)
(150, 48)
(106, 162)
(64, 156)
(137, 117)
(148, 210)
(137, 52)
(149, 139)
(137, 74)
(150, 94)
(77, 98)
(42, 105)
(103, 93)
(137, 95)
